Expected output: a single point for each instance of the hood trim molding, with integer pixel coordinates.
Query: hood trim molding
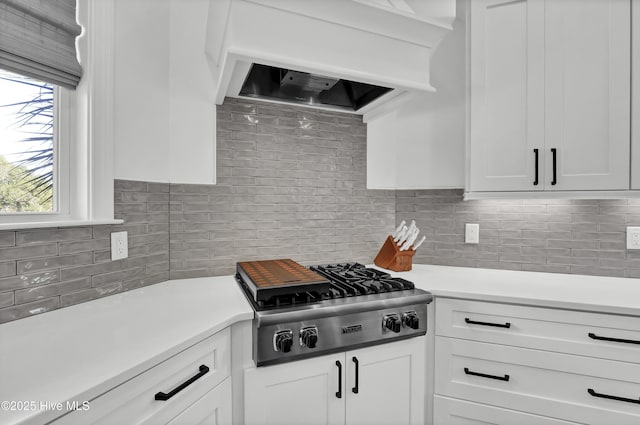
(242, 32)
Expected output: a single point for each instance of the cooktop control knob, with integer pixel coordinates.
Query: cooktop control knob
(283, 340)
(309, 336)
(410, 319)
(391, 322)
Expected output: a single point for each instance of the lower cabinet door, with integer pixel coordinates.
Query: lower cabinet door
(386, 384)
(214, 408)
(305, 392)
(449, 411)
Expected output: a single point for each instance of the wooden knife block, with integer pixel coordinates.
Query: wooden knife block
(390, 257)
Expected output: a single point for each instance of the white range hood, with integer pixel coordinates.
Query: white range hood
(386, 43)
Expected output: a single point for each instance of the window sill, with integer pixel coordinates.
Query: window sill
(62, 223)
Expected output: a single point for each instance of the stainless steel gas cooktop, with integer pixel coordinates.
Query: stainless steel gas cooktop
(347, 306)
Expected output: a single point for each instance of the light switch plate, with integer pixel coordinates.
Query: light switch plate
(119, 246)
(472, 233)
(633, 237)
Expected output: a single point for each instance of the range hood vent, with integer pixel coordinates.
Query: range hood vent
(348, 55)
(287, 85)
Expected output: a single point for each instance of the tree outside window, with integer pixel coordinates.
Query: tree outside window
(26, 144)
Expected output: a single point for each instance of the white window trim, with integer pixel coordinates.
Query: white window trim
(85, 138)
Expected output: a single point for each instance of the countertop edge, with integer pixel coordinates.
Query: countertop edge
(105, 386)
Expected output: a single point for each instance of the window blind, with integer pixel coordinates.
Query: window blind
(37, 38)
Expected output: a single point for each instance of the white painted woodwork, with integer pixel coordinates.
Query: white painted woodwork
(334, 41)
(141, 122)
(540, 328)
(302, 392)
(540, 382)
(165, 114)
(391, 384)
(391, 388)
(635, 95)
(452, 411)
(133, 402)
(587, 93)
(382, 152)
(214, 408)
(507, 94)
(546, 74)
(418, 142)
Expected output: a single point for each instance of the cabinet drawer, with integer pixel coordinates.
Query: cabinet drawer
(589, 334)
(540, 382)
(133, 402)
(449, 411)
(214, 408)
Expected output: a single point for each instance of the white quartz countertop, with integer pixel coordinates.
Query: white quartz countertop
(79, 352)
(576, 292)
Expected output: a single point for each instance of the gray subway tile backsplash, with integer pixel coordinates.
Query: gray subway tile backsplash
(292, 183)
(45, 269)
(557, 236)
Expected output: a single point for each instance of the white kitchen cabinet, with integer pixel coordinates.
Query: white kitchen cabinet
(419, 141)
(507, 94)
(296, 392)
(450, 411)
(549, 101)
(214, 408)
(323, 390)
(207, 397)
(635, 96)
(165, 113)
(572, 366)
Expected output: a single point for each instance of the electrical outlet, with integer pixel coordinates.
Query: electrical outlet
(633, 237)
(119, 246)
(472, 233)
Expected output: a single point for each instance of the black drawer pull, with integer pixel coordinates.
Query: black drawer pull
(339, 392)
(613, 397)
(495, 325)
(484, 375)
(356, 388)
(554, 153)
(166, 396)
(605, 338)
(535, 153)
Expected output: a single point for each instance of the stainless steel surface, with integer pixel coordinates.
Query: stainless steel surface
(298, 326)
(335, 332)
(307, 82)
(296, 87)
(342, 306)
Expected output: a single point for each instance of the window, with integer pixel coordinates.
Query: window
(57, 157)
(28, 153)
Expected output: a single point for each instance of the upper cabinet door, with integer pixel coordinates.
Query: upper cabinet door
(507, 95)
(588, 71)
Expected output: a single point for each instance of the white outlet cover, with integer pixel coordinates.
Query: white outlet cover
(119, 246)
(472, 233)
(633, 237)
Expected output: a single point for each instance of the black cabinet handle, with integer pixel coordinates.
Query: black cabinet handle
(339, 392)
(495, 325)
(166, 396)
(605, 338)
(535, 153)
(554, 153)
(355, 388)
(613, 397)
(484, 375)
